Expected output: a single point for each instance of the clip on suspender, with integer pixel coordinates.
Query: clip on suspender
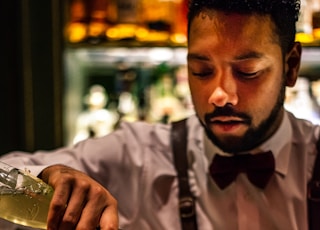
(314, 194)
(186, 199)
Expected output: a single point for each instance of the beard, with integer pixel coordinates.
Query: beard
(254, 135)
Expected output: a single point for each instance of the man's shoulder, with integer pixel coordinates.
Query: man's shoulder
(147, 132)
(304, 129)
(143, 127)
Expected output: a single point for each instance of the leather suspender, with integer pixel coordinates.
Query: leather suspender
(186, 199)
(314, 194)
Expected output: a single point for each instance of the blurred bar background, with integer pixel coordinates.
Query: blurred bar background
(72, 69)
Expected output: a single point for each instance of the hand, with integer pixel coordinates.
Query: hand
(78, 202)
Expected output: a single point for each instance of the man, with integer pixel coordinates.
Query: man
(241, 56)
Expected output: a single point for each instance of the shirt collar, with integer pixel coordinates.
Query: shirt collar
(279, 143)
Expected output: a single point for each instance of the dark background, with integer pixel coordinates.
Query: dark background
(31, 74)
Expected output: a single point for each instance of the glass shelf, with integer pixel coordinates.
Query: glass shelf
(82, 64)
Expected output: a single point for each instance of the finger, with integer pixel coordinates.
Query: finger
(96, 207)
(97, 201)
(109, 219)
(74, 209)
(58, 206)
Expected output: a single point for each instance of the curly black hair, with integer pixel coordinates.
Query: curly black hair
(284, 14)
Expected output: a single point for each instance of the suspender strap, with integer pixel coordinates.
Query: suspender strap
(314, 194)
(186, 199)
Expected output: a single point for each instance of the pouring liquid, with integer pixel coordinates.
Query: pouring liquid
(27, 203)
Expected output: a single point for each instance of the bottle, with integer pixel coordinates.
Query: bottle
(157, 17)
(98, 21)
(301, 102)
(316, 21)
(76, 28)
(179, 27)
(24, 199)
(303, 25)
(125, 20)
(316, 25)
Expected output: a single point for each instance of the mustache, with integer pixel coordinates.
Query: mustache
(226, 111)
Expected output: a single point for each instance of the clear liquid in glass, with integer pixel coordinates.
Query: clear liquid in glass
(24, 199)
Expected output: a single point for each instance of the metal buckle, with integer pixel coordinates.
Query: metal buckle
(186, 205)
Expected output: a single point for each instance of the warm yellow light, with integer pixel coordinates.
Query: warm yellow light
(142, 33)
(121, 31)
(178, 38)
(96, 29)
(316, 33)
(76, 32)
(304, 37)
(154, 36)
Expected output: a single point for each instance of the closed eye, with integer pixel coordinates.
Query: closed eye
(202, 74)
(246, 74)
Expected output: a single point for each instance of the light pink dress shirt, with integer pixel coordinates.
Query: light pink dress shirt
(135, 163)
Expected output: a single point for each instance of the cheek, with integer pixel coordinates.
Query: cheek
(200, 95)
(260, 101)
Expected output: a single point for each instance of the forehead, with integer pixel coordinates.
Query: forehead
(211, 25)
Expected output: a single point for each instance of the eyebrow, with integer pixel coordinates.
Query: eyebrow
(241, 57)
(194, 56)
(249, 55)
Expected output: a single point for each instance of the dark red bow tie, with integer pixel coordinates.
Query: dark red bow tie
(258, 167)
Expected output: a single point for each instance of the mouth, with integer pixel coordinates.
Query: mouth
(226, 119)
(227, 124)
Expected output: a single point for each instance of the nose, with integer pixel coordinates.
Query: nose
(224, 93)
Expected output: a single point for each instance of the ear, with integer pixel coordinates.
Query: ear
(292, 64)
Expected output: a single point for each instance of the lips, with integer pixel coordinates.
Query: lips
(227, 124)
(226, 119)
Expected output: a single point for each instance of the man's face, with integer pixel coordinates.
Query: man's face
(236, 77)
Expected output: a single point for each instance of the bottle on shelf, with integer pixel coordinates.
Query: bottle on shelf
(316, 26)
(316, 20)
(179, 30)
(142, 21)
(308, 25)
(96, 120)
(77, 25)
(157, 18)
(301, 101)
(98, 21)
(125, 20)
